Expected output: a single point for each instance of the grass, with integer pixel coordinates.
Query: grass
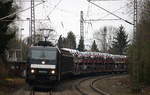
(10, 85)
(119, 85)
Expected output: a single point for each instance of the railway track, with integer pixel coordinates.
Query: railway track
(78, 86)
(97, 89)
(38, 93)
(81, 87)
(32, 91)
(86, 86)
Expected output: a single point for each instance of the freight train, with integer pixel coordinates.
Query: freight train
(49, 65)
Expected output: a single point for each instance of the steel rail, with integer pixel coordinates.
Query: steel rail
(78, 88)
(97, 89)
(82, 92)
(33, 92)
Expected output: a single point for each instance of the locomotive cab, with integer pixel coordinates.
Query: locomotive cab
(42, 65)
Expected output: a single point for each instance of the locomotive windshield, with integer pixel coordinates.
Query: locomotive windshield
(43, 53)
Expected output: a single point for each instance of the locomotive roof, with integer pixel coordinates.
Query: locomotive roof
(67, 52)
(42, 47)
(72, 51)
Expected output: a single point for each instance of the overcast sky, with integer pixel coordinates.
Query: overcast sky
(66, 16)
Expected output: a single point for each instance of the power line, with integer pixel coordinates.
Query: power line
(104, 0)
(63, 10)
(25, 20)
(55, 7)
(29, 1)
(110, 12)
(52, 11)
(105, 16)
(20, 11)
(88, 9)
(101, 19)
(115, 11)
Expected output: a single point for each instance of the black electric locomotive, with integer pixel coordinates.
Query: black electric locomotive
(47, 65)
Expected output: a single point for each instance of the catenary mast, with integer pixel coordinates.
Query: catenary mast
(32, 22)
(81, 25)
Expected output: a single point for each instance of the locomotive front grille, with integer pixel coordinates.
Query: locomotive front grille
(52, 77)
(45, 77)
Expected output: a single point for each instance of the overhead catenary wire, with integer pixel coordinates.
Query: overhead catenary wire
(55, 7)
(110, 12)
(105, 0)
(88, 9)
(87, 16)
(101, 19)
(114, 11)
(24, 20)
(53, 10)
(63, 10)
(43, 24)
(20, 11)
(106, 16)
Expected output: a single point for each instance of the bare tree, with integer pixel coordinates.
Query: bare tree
(104, 37)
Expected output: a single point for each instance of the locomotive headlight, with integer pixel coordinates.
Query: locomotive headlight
(53, 71)
(43, 62)
(32, 71)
